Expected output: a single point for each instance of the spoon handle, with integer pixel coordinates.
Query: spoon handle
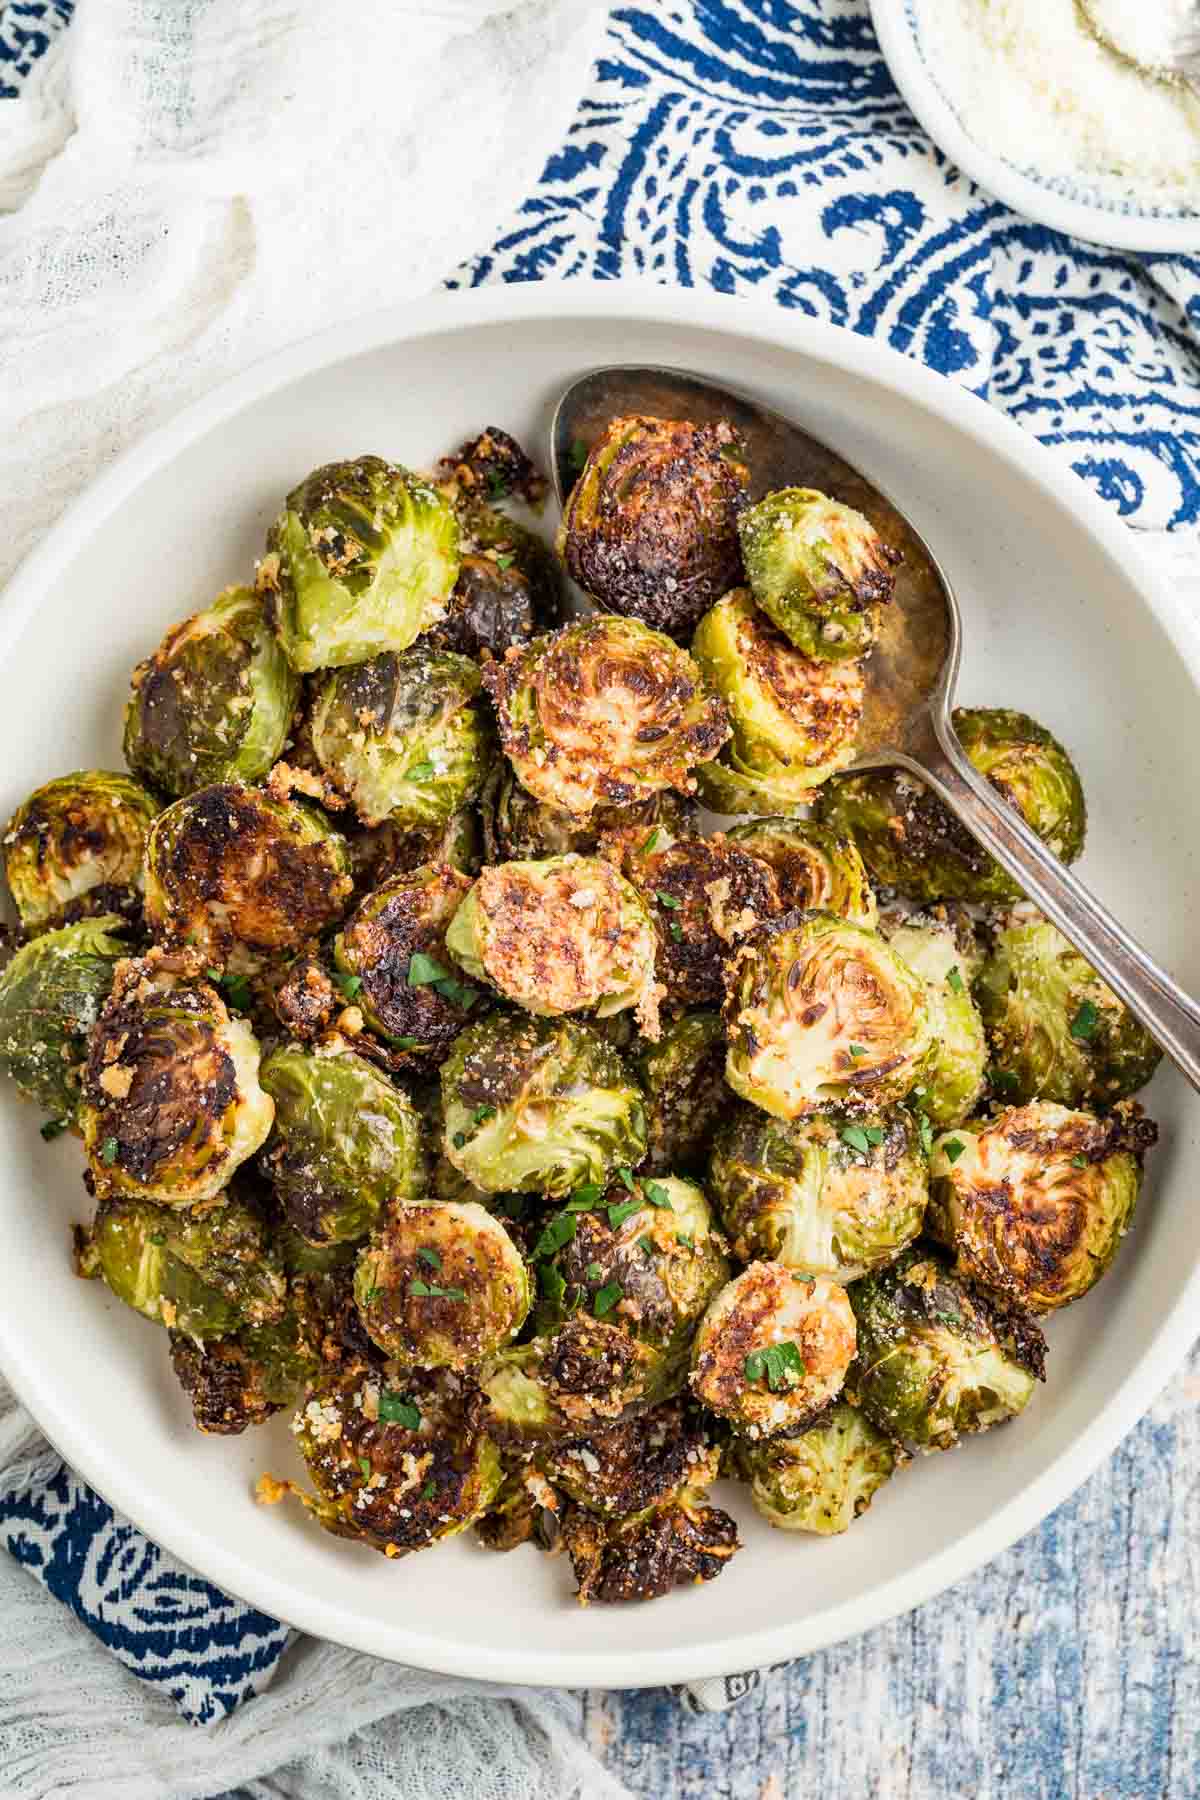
(1160, 1004)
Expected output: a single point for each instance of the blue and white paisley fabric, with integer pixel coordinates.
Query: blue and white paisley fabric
(761, 146)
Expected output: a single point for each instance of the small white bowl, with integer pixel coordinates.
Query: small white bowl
(1076, 207)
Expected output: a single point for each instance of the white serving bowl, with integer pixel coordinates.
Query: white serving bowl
(1075, 206)
(1059, 620)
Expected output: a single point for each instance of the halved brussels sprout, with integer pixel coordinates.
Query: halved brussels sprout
(822, 1479)
(1035, 1202)
(202, 1272)
(823, 1015)
(650, 1260)
(1057, 1031)
(704, 894)
(345, 1140)
(795, 720)
(819, 569)
(171, 1100)
(604, 711)
(943, 953)
(772, 1350)
(540, 1105)
(301, 995)
(525, 1511)
(647, 1460)
(393, 949)
(813, 866)
(76, 847)
(909, 841)
(937, 1360)
(493, 466)
(567, 1382)
(650, 527)
(683, 1076)
(398, 1460)
(237, 1381)
(51, 994)
(362, 559)
(560, 936)
(640, 1557)
(508, 588)
(441, 1285)
(214, 702)
(406, 738)
(231, 867)
(825, 1196)
(519, 828)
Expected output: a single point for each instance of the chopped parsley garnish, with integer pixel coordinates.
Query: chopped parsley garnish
(686, 1239)
(594, 1271)
(949, 1318)
(873, 1134)
(108, 1151)
(429, 1255)
(618, 1214)
(482, 1113)
(53, 1128)
(422, 771)
(506, 561)
(585, 1196)
(668, 900)
(1079, 1162)
(396, 1409)
(858, 1049)
(426, 971)
(364, 1463)
(427, 1290)
(237, 992)
(555, 1234)
(497, 484)
(214, 975)
(676, 931)
(1083, 1025)
(459, 1139)
(626, 1175)
(350, 985)
(650, 842)
(782, 1364)
(577, 456)
(429, 1490)
(657, 1194)
(856, 1137)
(1003, 1080)
(954, 981)
(157, 1237)
(925, 1133)
(952, 1149)
(552, 1284)
(607, 1298)
(646, 1245)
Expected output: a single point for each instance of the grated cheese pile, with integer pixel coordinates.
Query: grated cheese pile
(1030, 83)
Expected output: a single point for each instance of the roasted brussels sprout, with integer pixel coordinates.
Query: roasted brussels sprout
(380, 851)
(683, 1076)
(493, 466)
(936, 1359)
(76, 848)
(362, 559)
(1056, 1031)
(508, 586)
(644, 1556)
(795, 721)
(51, 994)
(203, 1272)
(519, 828)
(234, 1382)
(819, 569)
(567, 1382)
(171, 1098)
(1035, 1203)
(560, 936)
(392, 950)
(704, 894)
(214, 702)
(406, 738)
(646, 1460)
(772, 1350)
(441, 1285)
(813, 867)
(539, 1105)
(604, 711)
(825, 1196)
(909, 841)
(823, 1015)
(232, 868)
(822, 1479)
(650, 527)
(943, 953)
(525, 1511)
(398, 1460)
(650, 1259)
(345, 1140)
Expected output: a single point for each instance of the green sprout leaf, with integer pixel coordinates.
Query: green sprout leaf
(397, 1409)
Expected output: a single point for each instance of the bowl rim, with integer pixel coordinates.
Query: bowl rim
(756, 321)
(1094, 224)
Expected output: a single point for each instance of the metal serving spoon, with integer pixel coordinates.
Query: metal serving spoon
(911, 672)
(1181, 61)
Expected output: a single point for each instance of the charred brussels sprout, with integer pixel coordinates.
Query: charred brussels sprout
(362, 559)
(1056, 1031)
(345, 1140)
(393, 951)
(405, 738)
(214, 702)
(824, 1015)
(171, 1098)
(232, 867)
(398, 1460)
(441, 1286)
(646, 1554)
(605, 711)
(51, 994)
(946, 960)
(772, 1350)
(76, 847)
(378, 852)
(539, 1105)
(821, 1195)
(238, 1381)
(819, 569)
(566, 1382)
(795, 720)
(203, 1272)
(650, 1261)
(519, 828)
(813, 867)
(936, 1360)
(1035, 1202)
(909, 841)
(565, 935)
(683, 1076)
(650, 527)
(822, 1479)
(647, 1460)
(508, 587)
